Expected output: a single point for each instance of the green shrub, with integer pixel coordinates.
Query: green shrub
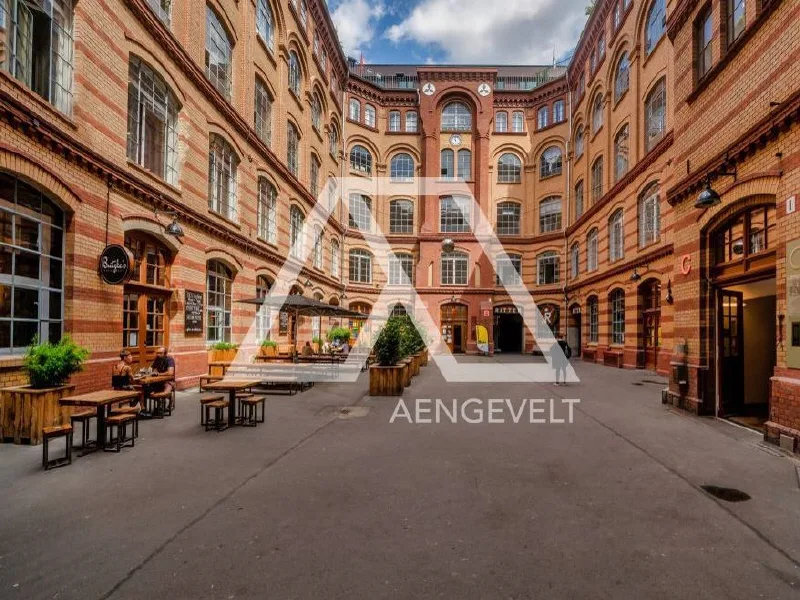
(50, 365)
(411, 341)
(224, 346)
(339, 333)
(387, 344)
(316, 340)
(269, 344)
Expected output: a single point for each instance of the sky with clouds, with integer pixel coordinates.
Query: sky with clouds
(458, 31)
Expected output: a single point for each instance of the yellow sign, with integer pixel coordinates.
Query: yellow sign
(482, 335)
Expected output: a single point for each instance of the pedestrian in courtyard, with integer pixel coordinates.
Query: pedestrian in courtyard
(558, 362)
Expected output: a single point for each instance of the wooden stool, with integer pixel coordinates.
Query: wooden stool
(161, 404)
(205, 400)
(220, 423)
(121, 421)
(83, 417)
(50, 433)
(249, 410)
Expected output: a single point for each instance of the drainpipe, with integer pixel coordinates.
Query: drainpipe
(568, 199)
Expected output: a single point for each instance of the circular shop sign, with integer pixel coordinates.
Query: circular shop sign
(116, 264)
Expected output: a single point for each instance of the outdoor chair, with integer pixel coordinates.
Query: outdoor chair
(120, 423)
(249, 410)
(206, 400)
(160, 404)
(219, 423)
(84, 417)
(51, 433)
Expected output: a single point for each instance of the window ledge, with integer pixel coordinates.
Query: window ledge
(512, 133)
(224, 218)
(12, 361)
(549, 176)
(153, 177)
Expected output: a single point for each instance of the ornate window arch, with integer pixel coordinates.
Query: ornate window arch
(597, 112)
(616, 236)
(509, 168)
(361, 159)
(621, 152)
(655, 114)
(222, 177)
(401, 167)
(550, 162)
(456, 116)
(295, 73)
(622, 76)
(655, 25)
(649, 215)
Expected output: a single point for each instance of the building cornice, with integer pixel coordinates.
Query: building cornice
(591, 32)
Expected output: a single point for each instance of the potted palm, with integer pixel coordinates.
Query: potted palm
(27, 409)
(386, 378)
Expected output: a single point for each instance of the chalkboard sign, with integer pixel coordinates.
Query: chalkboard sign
(116, 264)
(193, 316)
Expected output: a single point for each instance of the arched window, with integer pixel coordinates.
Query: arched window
(508, 218)
(394, 120)
(548, 268)
(591, 251)
(655, 114)
(296, 225)
(354, 111)
(508, 269)
(550, 214)
(262, 119)
(747, 233)
(360, 266)
(593, 320)
(398, 310)
(501, 121)
(550, 162)
(454, 267)
(219, 53)
(263, 313)
(509, 168)
(456, 116)
(616, 301)
(622, 76)
(579, 142)
(579, 199)
(264, 23)
(267, 207)
(542, 117)
(649, 215)
(223, 164)
(303, 13)
(411, 121)
(454, 214)
(333, 141)
(597, 113)
(656, 25)
(401, 167)
(447, 158)
(361, 159)
(736, 18)
(295, 73)
(597, 179)
(518, 121)
(616, 236)
(293, 149)
(401, 216)
(574, 260)
(316, 111)
(152, 122)
(219, 281)
(464, 164)
(313, 176)
(621, 146)
(401, 269)
(335, 258)
(360, 211)
(317, 247)
(369, 115)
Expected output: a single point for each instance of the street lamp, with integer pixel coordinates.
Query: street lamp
(709, 197)
(173, 228)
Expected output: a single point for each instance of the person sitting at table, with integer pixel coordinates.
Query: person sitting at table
(164, 365)
(122, 379)
(307, 349)
(345, 347)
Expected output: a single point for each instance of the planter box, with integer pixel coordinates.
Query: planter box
(423, 358)
(406, 363)
(268, 351)
(222, 355)
(415, 360)
(26, 411)
(386, 381)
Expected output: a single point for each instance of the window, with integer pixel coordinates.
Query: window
(509, 169)
(705, 33)
(369, 115)
(267, 211)
(508, 269)
(295, 73)
(655, 114)
(454, 214)
(601, 48)
(401, 216)
(333, 141)
(501, 122)
(263, 113)
(616, 237)
(296, 225)
(317, 247)
(456, 117)
(264, 25)
(755, 226)
(222, 166)
(550, 214)
(508, 218)
(263, 313)
(401, 167)
(447, 157)
(335, 259)
(313, 176)
(649, 216)
(597, 179)
(292, 149)
(542, 116)
(550, 162)
(360, 211)
(152, 122)
(160, 7)
(597, 113)
(219, 280)
(361, 160)
(411, 122)
(591, 251)
(332, 185)
(303, 13)
(360, 266)
(394, 120)
(617, 14)
(616, 301)
(219, 54)
(401, 269)
(656, 25)
(315, 43)
(464, 165)
(558, 111)
(548, 268)
(594, 319)
(622, 77)
(579, 199)
(355, 110)
(454, 268)
(581, 85)
(40, 49)
(579, 142)
(574, 260)
(621, 153)
(518, 121)
(398, 310)
(316, 111)
(736, 19)
(31, 266)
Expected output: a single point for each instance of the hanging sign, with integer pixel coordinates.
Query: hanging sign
(193, 312)
(116, 264)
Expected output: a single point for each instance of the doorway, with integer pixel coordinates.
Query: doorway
(454, 326)
(574, 329)
(650, 320)
(509, 330)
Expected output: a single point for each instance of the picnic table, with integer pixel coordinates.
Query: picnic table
(101, 401)
(232, 386)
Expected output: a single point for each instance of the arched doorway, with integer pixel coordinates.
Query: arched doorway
(574, 329)
(509, 330)
(650, 322)
(358, 327)
(454, 326)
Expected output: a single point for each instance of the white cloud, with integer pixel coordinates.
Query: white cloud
(507, 32)
(355, 23)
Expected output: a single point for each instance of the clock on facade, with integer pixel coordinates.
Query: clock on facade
(455, 140)
(484, 89)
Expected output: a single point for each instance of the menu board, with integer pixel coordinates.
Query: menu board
(193, 317)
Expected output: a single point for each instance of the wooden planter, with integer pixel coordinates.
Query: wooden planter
(25, 411)
(386, 381)
(406, 362)
(268, 350)
(222, 355)
(423, 358)
(415, 360)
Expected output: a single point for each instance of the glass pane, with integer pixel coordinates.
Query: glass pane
(28, 198)
(27, 265)
(5, 334)
(6, 260)
(27, 233)
(26, 303)
(24, 333)
(55, 305)
(6, 227)
(54, 331)
(56, 246)
(55, 268)
(5, 300)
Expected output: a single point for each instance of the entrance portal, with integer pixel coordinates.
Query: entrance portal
(454, 327)
(650, 319)
(509, 331)
(574, 329)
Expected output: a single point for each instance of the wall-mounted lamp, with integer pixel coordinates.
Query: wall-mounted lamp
(709, 197)
(173, 228)
(307, 283)
(635, 276)
(448, 245)
(669, 299)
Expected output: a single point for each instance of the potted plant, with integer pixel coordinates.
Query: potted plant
(29, 408)
(316, 342)
(340, 334)
(386, 377)
(268, 348)
(222, 352)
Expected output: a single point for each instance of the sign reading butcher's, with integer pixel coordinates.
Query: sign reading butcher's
(116, 264)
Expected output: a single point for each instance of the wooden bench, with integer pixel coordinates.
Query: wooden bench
(206, 400)
(50, 433)
(120, 422)
(220, 423)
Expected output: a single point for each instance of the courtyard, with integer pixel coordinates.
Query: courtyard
(328, 499)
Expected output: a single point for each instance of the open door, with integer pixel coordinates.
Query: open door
(731, 352)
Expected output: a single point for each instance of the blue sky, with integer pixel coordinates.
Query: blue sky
(458, 31)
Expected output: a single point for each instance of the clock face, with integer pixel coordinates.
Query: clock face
(484, 89)
(455, 140)
(429, 89)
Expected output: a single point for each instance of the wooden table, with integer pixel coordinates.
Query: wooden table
(101, 401)
(148, 381)
(218, 365)
(232, 386)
